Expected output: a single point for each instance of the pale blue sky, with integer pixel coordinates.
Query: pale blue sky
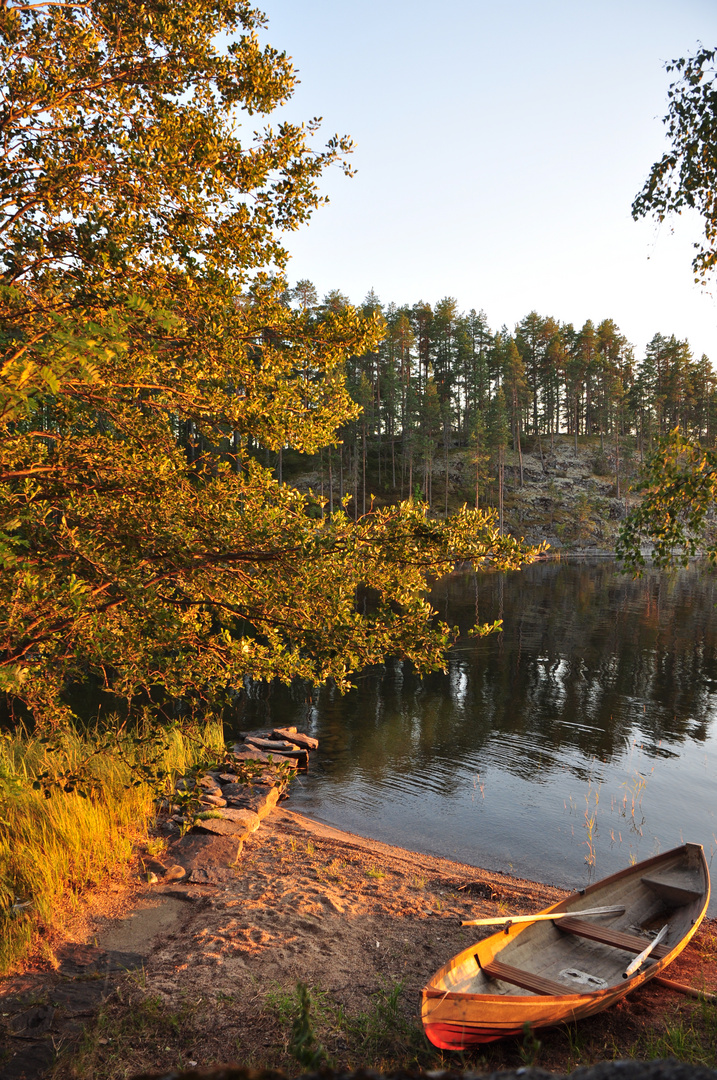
(498, 148)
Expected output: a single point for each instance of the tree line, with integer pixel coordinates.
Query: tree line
(442, 379)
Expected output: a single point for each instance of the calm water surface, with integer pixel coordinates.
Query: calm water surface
(580, 738)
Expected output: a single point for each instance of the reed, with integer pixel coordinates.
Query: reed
(71, 809)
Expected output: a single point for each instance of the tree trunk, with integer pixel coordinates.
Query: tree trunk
(356, 506)
(445, 461)
(363, 466)
(520, 456)
(542, 459)
(500, 491)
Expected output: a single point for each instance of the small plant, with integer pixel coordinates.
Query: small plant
(690, 1037)
(303, 1046)
(601, 465)
(374, 872)
(334, 871)
(576, 1042)
(384, 1032)
(530, 1047)
(155, 847)
(590, 826)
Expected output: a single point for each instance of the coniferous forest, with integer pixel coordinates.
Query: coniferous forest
(442, 380)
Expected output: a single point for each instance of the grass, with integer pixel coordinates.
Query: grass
(379, 1037)
(149, 1030)
(691, 1037)
(73, 807)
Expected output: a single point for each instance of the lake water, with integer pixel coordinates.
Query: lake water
(579, 739)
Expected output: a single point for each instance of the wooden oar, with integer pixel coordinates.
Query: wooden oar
(548, 917)
(639, 960)
(683, 988)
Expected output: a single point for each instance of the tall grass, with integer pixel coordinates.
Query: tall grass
(71, 809)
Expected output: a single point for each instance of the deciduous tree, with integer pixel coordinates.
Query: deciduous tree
(685, 177)
(149, 349)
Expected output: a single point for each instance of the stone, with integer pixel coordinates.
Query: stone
(210, 785)
(298, 738)
(91, 960)
(201, 849)
(269, 744)
(212, 800)
(279, 750)
(259, 755)
(175, 873)
(33, 1022)
(29, 1062)
(258, 797)
(237, 791)
(152, 866)
(220, 827)
(190, 896)
(240, 815)
(80, 998)
(212, 875)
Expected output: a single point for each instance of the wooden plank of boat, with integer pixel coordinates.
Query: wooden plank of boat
(550, 971)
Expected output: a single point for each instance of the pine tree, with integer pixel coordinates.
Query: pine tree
(498, 435)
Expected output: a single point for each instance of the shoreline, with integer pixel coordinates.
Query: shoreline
(363, 924)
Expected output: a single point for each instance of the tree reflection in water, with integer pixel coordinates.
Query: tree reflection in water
(597, 680)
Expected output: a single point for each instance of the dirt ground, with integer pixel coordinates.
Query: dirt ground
(363, 925)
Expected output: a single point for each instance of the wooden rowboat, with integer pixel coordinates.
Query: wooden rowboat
(550, 972)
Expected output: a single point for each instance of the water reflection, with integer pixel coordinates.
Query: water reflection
(595, 702)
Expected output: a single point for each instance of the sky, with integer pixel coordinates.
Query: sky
(499, 147)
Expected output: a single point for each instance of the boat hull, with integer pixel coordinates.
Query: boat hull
(459, 1010)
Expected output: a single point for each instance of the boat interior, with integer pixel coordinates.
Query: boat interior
(657, 905)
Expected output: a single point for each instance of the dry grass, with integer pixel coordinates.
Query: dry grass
(71, 810)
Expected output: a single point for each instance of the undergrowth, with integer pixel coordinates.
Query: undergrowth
(71, 807)
(691, 1038)
(379, 1037)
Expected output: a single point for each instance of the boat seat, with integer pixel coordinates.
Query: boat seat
(527, 980)
(676, 890)
(627, 942)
